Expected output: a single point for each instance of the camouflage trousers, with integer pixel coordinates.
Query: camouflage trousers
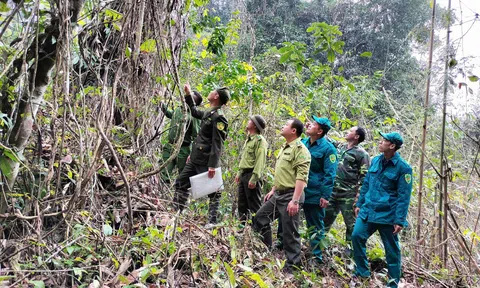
(344, 205)
(180, 161)
(181, 191)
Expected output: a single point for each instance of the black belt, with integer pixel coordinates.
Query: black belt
(249, 170)
(285, 191)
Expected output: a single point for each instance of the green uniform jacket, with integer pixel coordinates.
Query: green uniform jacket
(385, 194)
(254, 156)
(208, 146)
(322, 170)
(352, 167)
(293, 163)
(177, 118)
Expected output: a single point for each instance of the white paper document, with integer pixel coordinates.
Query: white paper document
(202, 185)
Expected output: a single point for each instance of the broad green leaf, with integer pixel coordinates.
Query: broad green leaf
(331, 56)
(257, 278)
(366, 54)
(473, 78)
(231, 275)
(107, 230)
(150, 45)
(285, 56)
(37, 283)
(4, 7)
(115, 15)
(452, 63)
(5, 166)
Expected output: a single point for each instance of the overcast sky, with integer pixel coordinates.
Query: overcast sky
(469, 46)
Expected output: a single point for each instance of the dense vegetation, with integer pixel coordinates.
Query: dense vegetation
(82, 203)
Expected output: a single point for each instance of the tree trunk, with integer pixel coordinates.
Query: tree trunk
(32, 96)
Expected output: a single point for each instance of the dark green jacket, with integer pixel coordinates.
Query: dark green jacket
(208, 146)
(352, 167)
(386, 190)
(177, 117)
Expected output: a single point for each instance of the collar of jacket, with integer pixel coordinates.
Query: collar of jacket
(319, 141)
(394, 159)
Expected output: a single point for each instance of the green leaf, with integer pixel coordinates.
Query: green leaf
(366, 54)
(473, 78)
(150, 45)
(4, 7)
(128, 52)
(285, 56)
(115, 15)
(331, 56)
(257, 278)
(5, 166)
(70, 249)
(107, 230)
(351, 87)
(37, 283)
(452, 63)
(231, 275)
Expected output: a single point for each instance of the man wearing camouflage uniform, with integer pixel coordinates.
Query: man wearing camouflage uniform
(206, 150)
(177, 117)
(252, 166)
(353, 163)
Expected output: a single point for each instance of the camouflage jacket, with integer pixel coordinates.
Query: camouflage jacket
(352, 167)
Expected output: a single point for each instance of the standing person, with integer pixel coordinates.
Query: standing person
(206, 150)
(320, 181)
(353, 163)
(383, 206)
(252, 167)
(191, 131)
(283, 201)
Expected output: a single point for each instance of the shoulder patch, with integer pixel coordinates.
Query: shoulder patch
(408, 178)
(333, 158)
(220, 126)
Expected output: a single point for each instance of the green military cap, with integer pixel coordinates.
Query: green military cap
(259, 122)
(224, 94)
(323, 122)
(393, 137)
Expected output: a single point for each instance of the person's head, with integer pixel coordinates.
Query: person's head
(356, 134)
(256, 124)
(219, 96)
(197, 98)
(319, 127)
(390, 142)
(292, 129)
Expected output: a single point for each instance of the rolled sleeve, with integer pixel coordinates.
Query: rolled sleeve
(261, 157)
(301, 164)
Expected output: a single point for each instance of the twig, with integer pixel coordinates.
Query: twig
(120, 168)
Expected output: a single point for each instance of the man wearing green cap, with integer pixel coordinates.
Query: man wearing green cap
(252, 166)
(383, 206)
(353, 163)
(291, 175)
(321, 177)
(206, 150)
(177, 118)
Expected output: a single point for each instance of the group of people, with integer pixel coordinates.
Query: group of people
(311, 173)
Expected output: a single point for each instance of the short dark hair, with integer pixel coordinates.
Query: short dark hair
(324, 128)
(198, 98)
(298, 125)
(361, 134)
